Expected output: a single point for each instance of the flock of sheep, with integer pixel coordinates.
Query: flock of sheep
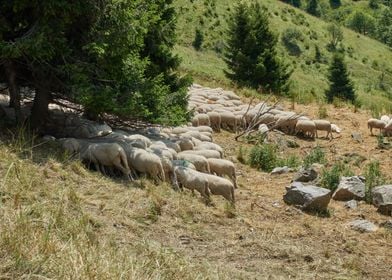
(384, 124)
(218, 109)
(186, 157)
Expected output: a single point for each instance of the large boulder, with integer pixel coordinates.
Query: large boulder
(305, 175)
(350, 188)
(307, 197)
(382, 199)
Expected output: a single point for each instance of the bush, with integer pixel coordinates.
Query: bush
(374, 178)
(263, 157)
(198, 41)
(292, 161)
(290, 38)
(241, 155)
(316, 155)
(330, 178)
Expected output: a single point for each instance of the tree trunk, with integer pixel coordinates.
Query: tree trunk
(13, 89)
(40, 110)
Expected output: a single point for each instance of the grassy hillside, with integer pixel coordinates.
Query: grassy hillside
(369, 62)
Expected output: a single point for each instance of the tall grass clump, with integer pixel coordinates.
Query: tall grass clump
(316, 155)
(330, 178)
(374, 177)
(263, 157)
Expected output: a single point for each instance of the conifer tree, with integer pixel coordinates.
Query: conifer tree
(251, 55)
(341, 85)
(313, 8)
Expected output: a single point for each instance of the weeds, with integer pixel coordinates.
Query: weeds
(316, 155)
(263, 157)
(374, 178)
(241, 155)
(330, 178)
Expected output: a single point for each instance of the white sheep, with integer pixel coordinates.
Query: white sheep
(198, 161)
(201, 119)
(183, 163)
(208, 146)
(147, 163)
(375, 123)
(306, 127)
(223, 167)
(215, 120)
(228, 121)
(192, 180)
(324, 125)
(185, 143)
(335, 128)
(385, 118)
(220, 186)
(204, 153)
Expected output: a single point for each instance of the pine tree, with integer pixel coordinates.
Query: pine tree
(341, 85)
(198, 41)
(251, 55)
(313, 8)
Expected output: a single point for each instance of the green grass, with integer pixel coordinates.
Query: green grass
(367, 59)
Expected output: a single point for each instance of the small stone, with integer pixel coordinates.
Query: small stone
(350, 188)
(387, 225)
(382, 199)
(305, 175)
(357, 136)
(363, 226)
(351, 204)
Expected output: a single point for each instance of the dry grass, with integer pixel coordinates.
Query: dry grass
(61, 221)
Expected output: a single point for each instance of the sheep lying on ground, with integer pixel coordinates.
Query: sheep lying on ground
(223, 167)
(192, 180)
(307, 127)
(220, 186)
(375, 123)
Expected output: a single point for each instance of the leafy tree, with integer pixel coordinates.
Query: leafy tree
(384, 27)
(374, 4)
(251, 53)
(361, 23)
(335, 34)
(198, 41)
(313, 8)
(340, 84)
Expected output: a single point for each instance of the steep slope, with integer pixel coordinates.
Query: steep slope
(368, 60)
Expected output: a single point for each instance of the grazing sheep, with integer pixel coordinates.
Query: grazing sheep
(138, 141)
(324, 125)
(147, 163)
(205, 153)
(185, 143)
(385, 118)
(375, 123)
(220, 186)
(203, 129)
(106, 154)
(208, 146)
(183, 163)
(72, 145)
(215, 120)
(223, 167)
(306, 127)
(201, 119)
(192, 180)
(228, 121)
(198, 161)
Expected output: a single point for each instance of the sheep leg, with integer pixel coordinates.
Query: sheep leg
(234, 179)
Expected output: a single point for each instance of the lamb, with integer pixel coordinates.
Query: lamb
(324, 125)
(200, 162)
(215, 120)
(147, 163)
(192, 180)
(205, 153)
(375, 123)
(220, 186)
(223, 167)
(306, 126)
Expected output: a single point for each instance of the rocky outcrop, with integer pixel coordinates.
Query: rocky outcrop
(382, 199)
(305, 175)
(307, 197)
(350, 188)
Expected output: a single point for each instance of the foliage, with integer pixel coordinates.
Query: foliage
(330, 178)
(251, 54)
(197, 43)
(361, 23)
(316, 155)
(263, 157)
(374, 178)
(295, 3)
(335, 34)
(313, 8)
(335, 3)
(384, 27)
(290, 38)
(340, 84)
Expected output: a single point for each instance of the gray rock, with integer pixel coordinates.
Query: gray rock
(363, 226)
(281, 170)
(387, 224)
(305, 175)
(357, 136)
(351, 204)
(307, 197)
(350, 188)
(382, 199)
